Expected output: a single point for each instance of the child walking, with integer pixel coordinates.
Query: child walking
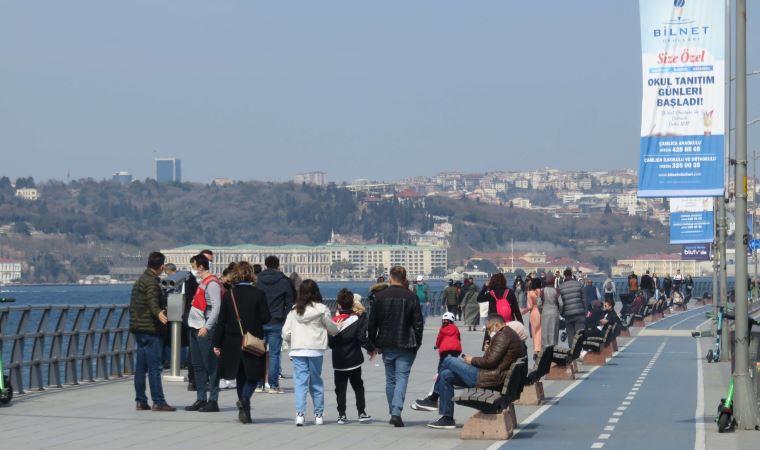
(347, 355)
(305, 330)
(448, 343)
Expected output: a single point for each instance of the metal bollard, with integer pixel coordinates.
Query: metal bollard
(175, 305)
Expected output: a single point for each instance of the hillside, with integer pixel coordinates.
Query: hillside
(88, 226)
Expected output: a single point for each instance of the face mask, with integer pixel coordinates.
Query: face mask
(194, 272)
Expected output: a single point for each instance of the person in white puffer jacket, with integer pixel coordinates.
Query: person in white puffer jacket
(305, 331)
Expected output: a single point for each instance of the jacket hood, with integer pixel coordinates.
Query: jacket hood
(270, 276)
(313, 312)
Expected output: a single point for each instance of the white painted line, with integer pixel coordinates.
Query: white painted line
(635, 389)
(626, 403)
(637, 384)
(630, 397)
(613, 420)
(622, 408)
(699, 414)
(597, 445)
(609, 428)
(604, 436)
(617, 413)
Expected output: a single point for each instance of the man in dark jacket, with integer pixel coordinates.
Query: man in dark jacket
(147, 321)
(574, 308)
(487, 371)
(395, 329)
(280, 296)
(647, 284)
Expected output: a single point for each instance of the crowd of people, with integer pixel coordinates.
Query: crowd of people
(236, 325)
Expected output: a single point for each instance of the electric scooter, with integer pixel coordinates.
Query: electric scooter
(725, 417)
(6, 390)
(714, 355)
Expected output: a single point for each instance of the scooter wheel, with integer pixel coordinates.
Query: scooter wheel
(709, 356)
(6, 394)
(724, 422)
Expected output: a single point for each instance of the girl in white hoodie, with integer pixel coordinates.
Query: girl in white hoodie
(305, 330)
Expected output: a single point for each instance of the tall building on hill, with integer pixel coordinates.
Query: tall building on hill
(122, 178)
(315, 178)
(168, 170)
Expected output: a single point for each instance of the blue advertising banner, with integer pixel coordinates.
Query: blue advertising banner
(696, 252)
(692, 220)
(681, 149)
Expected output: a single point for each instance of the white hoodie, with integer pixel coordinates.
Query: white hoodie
(309, 331)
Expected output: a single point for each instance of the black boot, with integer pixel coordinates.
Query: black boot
(246, 411)
(241, 415)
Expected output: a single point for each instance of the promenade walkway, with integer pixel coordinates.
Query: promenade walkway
(649, 395)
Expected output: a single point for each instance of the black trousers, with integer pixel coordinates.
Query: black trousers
(342, 378)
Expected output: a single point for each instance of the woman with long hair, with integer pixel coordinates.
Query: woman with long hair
(535, 295)
(305, 330)
(501, 300)
(244, 309)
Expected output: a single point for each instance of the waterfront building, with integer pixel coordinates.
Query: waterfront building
(10, 270)
(168, 170)
(323, 262)
(661, 264)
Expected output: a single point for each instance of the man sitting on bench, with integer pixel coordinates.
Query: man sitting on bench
(607, 318)
(506, 345)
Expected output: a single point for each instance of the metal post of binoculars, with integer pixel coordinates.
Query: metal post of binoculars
(175, 306)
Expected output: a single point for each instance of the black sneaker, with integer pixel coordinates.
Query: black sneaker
(342, 420)
(425, 404)
(196, 406)
(446, 423)
(396, 421)
(364, 417)
(211, 406)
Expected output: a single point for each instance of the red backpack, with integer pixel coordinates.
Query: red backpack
(503, 307)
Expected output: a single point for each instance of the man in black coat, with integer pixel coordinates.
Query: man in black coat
(395, 329)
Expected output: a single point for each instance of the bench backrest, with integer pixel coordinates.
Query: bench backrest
(515, 380)
(543, 366)
(580, 336)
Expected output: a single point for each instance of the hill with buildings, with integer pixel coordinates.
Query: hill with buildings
(67, 230)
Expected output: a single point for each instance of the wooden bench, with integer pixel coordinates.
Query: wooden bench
(564, 359)
(533, 390)
(594, 346)
(495, 419)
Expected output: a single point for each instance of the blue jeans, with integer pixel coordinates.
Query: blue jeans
(149, 361)
(398, 364)
(204, 366)
(273, 338)
(307, 377)
(454, 372)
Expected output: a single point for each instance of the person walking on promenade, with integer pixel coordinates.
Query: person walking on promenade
(647, 284)
(573, 307)
(470, 306)
(487, 371)
(550, 312)
(633, 283)
(347, 358)
(500, 299)
(244, 310)
(535, 297)
(395, 330)
(610, 291)
(590, 293)
(201, 321)
(280, 295)
(305, 330)
(519, 289)
(147, 322)
(450, 298)
(423, 294)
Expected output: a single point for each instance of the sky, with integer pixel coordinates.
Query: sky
(255, 90)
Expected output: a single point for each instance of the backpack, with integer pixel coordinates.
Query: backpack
(609, 287)
(503, 308)
(420, 291)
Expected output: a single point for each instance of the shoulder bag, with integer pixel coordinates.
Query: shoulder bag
(250, 343)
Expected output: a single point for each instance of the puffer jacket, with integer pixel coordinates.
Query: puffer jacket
(310, 330)
(395, 320)
(145, 306)
(505, 348)
(572, 299)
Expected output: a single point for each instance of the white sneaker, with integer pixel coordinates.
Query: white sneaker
(299, 420)
(318, 420)
(583, 353)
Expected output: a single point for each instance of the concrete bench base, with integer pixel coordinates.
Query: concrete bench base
(594, 359)
(532, 395)
(561, 372)
(607, 350)
(638, 323)
(654, 317)
(493, 427)
(680, 308)
(625, 332)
